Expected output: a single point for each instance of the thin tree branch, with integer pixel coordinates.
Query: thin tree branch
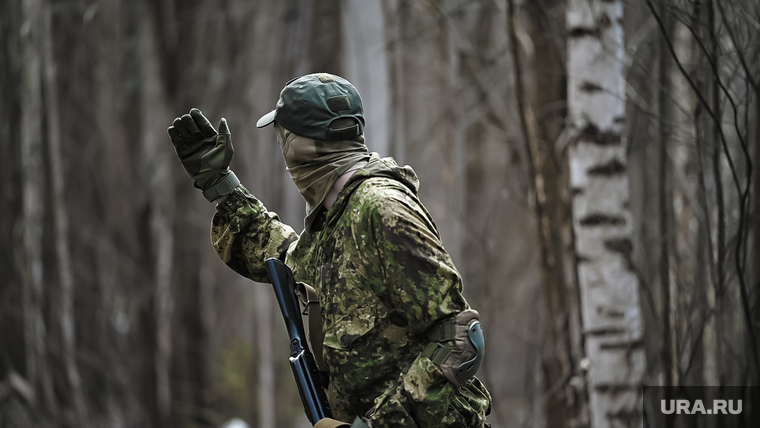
(744, 194)
(739, 53)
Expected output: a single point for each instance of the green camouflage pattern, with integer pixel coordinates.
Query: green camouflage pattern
(383, 278)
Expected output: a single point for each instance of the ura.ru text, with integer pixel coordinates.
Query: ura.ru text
(696, 407)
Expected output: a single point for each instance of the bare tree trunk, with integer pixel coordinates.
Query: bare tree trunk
(686, 326)
(612, 318)
(264, 327)
(156, 158)
(395, 13)
(457, 128)
(714, 139)
(557, 367)
(690, 217)
(739, 162)
(708, 147)
(536, 181)
(665, 203)
(365, 61)
(755, 288)
(117, 238)
(61, 221)
(705, 258)
(566, 401)
(33, 174)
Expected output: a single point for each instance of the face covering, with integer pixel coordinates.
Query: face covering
(316, 165)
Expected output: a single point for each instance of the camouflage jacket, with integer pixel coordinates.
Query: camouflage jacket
(383, 278)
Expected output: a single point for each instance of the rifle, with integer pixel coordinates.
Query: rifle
(301, 360)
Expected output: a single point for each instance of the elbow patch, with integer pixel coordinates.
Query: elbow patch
(457, 345)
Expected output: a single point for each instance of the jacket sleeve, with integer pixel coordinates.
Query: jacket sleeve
(423, 286)
(245, 235)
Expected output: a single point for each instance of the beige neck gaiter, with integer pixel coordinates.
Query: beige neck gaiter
(316, 165)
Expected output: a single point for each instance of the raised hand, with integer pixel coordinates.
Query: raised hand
(205, 153)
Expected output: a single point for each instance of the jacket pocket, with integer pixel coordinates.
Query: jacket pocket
(347, 329)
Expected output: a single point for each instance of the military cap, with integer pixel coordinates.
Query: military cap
(309, 104)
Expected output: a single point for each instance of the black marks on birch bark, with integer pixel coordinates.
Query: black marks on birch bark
(624, 246)
(620, 245)
(613, 167)
(605, 331)
(590, 87)
(609, 313)
(615, 388)
(578, 32)
(605, 21)
(592, 134)
(623, 346)
(599, 219)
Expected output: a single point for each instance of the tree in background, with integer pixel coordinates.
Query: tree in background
(602, 221)
(108, 275)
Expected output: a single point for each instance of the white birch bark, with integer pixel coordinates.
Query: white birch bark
(611, 314)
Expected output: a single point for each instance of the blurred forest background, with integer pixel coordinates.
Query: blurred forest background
(527, 122)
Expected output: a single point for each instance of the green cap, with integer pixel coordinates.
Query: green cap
(309, 104)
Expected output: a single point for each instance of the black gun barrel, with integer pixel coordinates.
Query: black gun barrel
(301, 360)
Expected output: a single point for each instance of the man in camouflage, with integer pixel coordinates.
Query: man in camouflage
(400, 341)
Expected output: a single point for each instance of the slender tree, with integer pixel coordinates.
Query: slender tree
(566, 401)
(33, 175)
(156, 158)
(602, 224)
(61, 220)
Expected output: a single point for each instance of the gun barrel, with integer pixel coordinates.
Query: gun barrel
(314, 403)
(302, 361)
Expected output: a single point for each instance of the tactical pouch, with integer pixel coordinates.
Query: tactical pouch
(457, 346)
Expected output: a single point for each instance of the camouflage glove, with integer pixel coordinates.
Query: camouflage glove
(204, 153)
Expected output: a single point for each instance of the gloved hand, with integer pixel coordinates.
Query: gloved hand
(204, 153)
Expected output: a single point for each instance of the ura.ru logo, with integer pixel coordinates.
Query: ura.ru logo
(696, 407)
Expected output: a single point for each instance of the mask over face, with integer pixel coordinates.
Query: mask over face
(315, 165)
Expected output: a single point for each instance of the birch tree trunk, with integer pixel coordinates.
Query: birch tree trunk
(566, 402)
(608, 286)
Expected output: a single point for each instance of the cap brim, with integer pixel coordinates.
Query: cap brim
(265, 120)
